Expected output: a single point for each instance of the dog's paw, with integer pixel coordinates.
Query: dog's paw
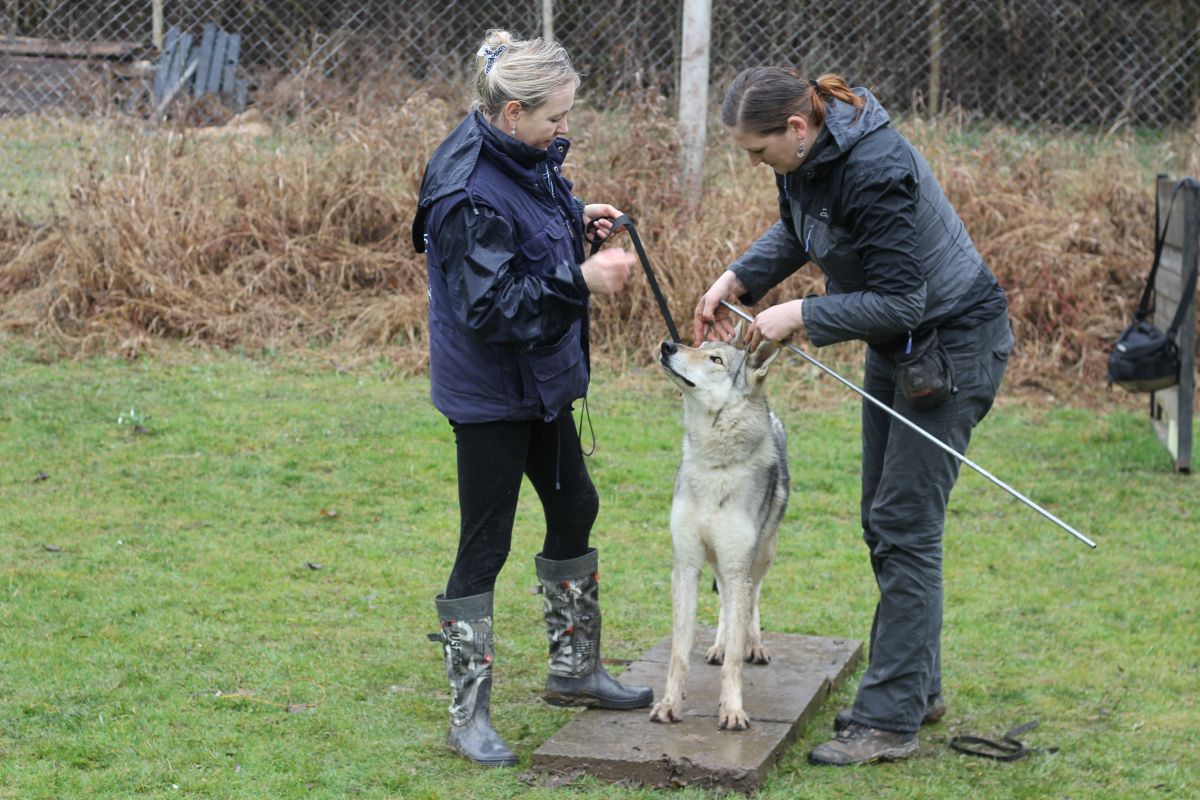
(733, 719)
(758, 654)
(715, 654)
(667, 710)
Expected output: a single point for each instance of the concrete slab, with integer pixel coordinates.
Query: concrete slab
(780, 697)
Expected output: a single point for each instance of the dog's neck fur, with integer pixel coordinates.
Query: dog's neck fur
(716, 438)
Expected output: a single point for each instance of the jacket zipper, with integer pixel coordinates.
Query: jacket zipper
(554, 198)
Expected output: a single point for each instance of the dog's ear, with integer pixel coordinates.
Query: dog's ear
(736, 339)
(762, 357)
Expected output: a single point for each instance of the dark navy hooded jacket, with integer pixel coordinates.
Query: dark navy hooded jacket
(508, 305)
(867, 209)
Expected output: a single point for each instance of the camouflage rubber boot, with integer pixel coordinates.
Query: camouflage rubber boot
(859, 744)
(466, 638)
(571, 599)
(935, 709)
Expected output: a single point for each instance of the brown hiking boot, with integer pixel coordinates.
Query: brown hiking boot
(935, 710)
(858, 744)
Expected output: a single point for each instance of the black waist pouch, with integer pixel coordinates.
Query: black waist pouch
(923, 372)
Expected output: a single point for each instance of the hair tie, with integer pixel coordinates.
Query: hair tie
(491, 54)
(813, 83)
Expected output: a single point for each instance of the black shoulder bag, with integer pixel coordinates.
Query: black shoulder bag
(1144, 359)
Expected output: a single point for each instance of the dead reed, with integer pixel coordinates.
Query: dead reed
(303, 238)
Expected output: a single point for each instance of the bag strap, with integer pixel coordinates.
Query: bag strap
(1160, 238)
(1185, 300)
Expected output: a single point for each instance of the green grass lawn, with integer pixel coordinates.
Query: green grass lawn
(217, 572)
(38, 158)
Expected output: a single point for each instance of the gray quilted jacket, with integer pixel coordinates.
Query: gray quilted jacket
(866, 208)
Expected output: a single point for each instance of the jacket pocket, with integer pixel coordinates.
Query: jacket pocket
(542, 247)
(998, 365)
(559, 371)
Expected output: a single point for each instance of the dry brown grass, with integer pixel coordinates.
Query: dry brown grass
(229, 243)
(303, 238)
(1068, 236)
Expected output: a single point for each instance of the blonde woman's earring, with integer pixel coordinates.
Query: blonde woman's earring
(801, 150)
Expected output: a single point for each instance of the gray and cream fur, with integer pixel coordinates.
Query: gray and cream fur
(731, 491)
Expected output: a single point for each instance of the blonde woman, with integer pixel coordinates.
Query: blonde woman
(508, 322)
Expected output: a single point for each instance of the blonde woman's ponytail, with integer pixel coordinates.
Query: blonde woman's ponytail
(528, 71)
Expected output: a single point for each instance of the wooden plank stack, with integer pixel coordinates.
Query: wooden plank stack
(207, 66)
(38, 74)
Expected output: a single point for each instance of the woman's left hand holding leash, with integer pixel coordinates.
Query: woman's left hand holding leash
(777, 323)
(599, 218)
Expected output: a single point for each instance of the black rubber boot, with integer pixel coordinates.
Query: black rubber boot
(466, 637)
(571, 599)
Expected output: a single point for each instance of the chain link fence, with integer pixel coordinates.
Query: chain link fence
(1080, 63)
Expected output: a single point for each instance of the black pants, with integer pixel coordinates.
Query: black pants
(906, 483)
(492, 458)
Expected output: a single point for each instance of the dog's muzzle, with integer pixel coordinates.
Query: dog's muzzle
(667, 350)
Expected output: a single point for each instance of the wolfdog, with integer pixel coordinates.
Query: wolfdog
(731, 491)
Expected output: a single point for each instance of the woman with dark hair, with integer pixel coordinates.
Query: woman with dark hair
(508, 312)
(902, 274)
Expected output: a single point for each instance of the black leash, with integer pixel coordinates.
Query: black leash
(1009, 748)
(627, 223)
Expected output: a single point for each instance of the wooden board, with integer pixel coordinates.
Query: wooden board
(1171, 409)
(26, 46)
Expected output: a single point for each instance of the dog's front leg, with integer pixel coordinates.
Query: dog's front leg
(736, 602)
(756, 650)
(716, 653)
(685, 578)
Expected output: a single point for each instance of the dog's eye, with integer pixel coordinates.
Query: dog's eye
(717, 360)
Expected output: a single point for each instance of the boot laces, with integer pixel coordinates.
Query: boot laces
(855, 730)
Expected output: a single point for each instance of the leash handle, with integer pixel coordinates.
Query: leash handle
(1009, 748)
(596, 243)
(625, 222)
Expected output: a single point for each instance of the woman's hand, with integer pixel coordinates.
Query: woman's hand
(712, 320)
(776, 323)
(607, 271)
(603, 215)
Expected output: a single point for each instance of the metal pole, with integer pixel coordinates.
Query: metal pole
(927, 435)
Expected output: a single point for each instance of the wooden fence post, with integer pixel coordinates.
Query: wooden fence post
(157, 23)
(548, 20)
(935, 57)
(693, 94)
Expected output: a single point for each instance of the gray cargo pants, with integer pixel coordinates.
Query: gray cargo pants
(906, 483)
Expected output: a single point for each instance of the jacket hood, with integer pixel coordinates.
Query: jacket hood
(843, 129)
(453, 162)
